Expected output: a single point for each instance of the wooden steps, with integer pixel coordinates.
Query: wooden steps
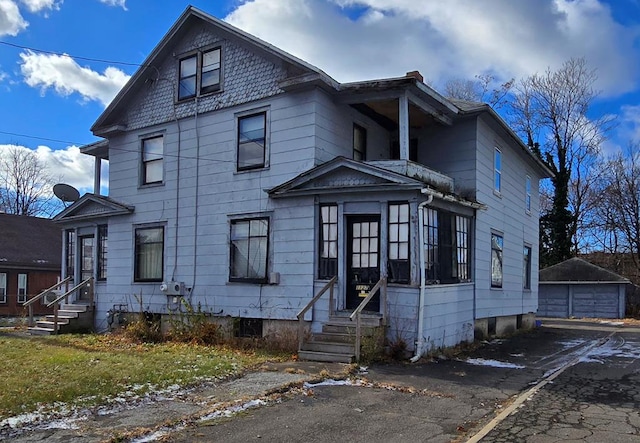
(71, 318)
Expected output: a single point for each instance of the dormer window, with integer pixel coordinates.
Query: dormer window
(199, 74)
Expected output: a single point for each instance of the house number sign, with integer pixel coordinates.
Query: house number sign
(364, 290)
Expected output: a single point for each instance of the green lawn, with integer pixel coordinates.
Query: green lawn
(88, 369)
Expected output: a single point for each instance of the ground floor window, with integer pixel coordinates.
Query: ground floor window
(399, 267)
(447, 248)
(102, 252)
(3, 287)
(149, 254)
(526, 267)
(328, 260)
(249, 249)
(497, 245)
(22, 288)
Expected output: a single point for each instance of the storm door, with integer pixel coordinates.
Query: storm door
(363, 260)
(86, 259)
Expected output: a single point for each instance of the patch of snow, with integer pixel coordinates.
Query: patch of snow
(626, 350)
(151, 437)
(493, 363)
(328, 382)
(571, 343)
(517, 355)
(612, 323)
(228, 412)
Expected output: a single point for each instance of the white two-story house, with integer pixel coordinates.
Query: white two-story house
(243, 180)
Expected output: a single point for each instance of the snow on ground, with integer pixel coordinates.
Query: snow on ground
(624, 349)
(492, 363)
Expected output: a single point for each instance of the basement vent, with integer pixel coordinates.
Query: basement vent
(249, 327)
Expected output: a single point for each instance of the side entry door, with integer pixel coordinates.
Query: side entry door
(363, 260)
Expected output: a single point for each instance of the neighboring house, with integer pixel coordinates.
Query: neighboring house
(29, 261)
(577, 288)
(244, 179)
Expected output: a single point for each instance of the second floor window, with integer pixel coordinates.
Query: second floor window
(199, 74)
(252, 141)
(152, 160)
(399, 243)
(527, 198)
(497, 170)
(359, 143)
(149, 254)
(22, 288)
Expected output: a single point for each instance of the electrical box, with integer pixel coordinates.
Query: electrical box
(172, 288)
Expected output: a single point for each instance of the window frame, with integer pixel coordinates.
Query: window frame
(265, 140)
(101, 266)
(527, 198)
(497, 258)
(444, 242)
(22, 289)
(399, 243)
(199, 74)
(359, 152)
(497, 171)
(327, 241)
(70, 240)
(3, 287)
(526, 267)
(144, 181)
(137, 254)
(261, 279)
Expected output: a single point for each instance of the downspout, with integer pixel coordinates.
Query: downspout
(423, 282)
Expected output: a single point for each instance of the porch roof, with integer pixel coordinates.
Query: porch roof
(91, 206)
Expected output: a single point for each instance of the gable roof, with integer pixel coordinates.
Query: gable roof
(164, 48)
(29, 243)
(91, 206)
(577, 270)
(340, 175)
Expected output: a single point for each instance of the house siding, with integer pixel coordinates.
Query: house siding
(505, 214)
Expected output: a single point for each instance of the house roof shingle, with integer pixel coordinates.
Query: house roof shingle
(29, 242)
(578, 270)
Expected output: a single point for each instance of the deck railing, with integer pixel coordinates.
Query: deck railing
(328, 287)
(29, 303)
(382, 287)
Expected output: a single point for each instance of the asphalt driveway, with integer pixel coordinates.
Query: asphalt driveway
(566, 381)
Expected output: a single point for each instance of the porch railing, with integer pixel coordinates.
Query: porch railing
(382, 287)
(29, 303)
(328, 287)
(88, 283)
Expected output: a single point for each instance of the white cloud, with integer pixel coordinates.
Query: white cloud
(39, 5)
(11, 22)
(67, 165)
(456, 38)
(121, 3)
(66, 77)
(631, 122)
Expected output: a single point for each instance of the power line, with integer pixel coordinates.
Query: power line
(41, 138)
(62, 54)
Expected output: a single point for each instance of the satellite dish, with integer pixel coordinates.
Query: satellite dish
(66, 193)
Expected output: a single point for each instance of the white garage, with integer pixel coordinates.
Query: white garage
(577, 288)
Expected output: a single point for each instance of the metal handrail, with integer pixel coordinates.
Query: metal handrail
(29, 303)
(382, 284)
(329, 286)
(88, 283)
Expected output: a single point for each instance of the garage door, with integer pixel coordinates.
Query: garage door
(595, 301)
(553, 301)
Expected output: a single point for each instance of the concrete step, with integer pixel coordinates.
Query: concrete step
(329, 347)
(36, 330)
(364, 321)
(333, 328)
(74, 307)
(336, 337)
(64, 314)
(50, 324)
(325, 356)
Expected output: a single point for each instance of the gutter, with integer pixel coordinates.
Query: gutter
(420, 348)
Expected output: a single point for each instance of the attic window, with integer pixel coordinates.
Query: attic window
(199, 74)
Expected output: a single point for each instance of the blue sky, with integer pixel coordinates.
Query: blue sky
(56, 98)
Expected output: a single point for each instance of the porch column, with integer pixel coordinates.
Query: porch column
(97, 165)
(403, 126)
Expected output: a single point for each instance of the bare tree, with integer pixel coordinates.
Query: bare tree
(25, 183)
(550, 111)
(620, 211)
(479, 90)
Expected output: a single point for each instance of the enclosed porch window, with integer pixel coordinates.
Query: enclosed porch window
(446, 247)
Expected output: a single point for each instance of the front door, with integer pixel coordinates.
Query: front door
(363, 260)
(86, 260)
